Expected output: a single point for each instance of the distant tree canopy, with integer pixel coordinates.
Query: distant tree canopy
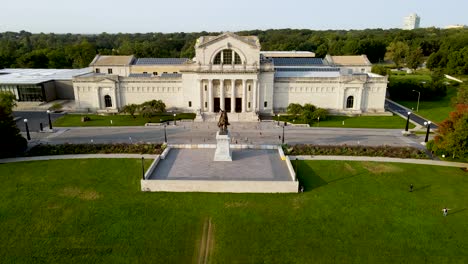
(446, 48)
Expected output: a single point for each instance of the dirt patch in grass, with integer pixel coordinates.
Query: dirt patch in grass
(206, 244)
(349, 168)
(378, 168)
(75, 192)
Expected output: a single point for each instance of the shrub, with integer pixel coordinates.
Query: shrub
(55, 107)
(379, 151)
(64, 149)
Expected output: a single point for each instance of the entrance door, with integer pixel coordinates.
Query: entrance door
(227, 104)
(217, 105)
(238, 105)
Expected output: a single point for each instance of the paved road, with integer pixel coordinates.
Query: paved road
(256, 133)
(34, 118)
(392, 106)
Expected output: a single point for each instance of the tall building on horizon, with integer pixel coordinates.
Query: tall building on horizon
(411, 22)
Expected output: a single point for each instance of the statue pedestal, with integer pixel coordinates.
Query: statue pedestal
(223, 151)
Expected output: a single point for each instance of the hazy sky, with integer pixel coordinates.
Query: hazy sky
(95, 16)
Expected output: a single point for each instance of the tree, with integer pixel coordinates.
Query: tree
(453, 134)
(379, 69)
(397, 52)
(309, 107)
(11, 141)
(457, 141)
(320, 113)
(294, 109)
(414, 58)
(150, 108)
(462, 96)
(130, 109)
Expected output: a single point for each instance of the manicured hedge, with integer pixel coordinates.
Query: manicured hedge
(46, 149)
(344, 150)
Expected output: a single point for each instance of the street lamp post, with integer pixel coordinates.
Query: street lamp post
(50, 122)
(143, 168)
(407, 122)
(419, 96)
(282, 138)
(318, 121)
(28, 136)
(174, 120)
(277, 118)
(428, 124)
(165, 135)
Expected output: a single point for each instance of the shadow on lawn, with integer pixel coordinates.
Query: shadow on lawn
(458, 211)
(308, 178)
(421, 188)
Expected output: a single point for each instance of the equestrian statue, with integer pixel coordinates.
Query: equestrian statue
(223, 123)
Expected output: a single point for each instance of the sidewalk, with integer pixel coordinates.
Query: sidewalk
(305, 157)
(80, 156)
(383, 159)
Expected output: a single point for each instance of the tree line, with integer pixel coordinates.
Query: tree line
(446, 49)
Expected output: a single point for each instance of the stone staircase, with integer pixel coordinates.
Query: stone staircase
(233, 117)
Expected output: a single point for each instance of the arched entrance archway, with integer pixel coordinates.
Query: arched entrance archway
(107, 101)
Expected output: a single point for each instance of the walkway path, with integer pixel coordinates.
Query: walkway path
(383, 159)
(81, 156)
(403, 111)
(303, 157)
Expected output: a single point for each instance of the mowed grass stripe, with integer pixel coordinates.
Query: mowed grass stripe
(76, 211)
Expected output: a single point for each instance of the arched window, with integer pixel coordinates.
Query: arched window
(350, 102)
(237, 59)
(108, 101)
(217, 59)
(227, 56)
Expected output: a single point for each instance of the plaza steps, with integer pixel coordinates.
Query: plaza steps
(233, 117)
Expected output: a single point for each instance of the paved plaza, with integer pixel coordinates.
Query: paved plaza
(198, 164)
(241, 133)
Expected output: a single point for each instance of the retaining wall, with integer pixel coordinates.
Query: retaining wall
(220, 186)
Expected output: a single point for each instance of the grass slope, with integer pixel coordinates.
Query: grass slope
(91, 211)
(72, 120)
(435, 111)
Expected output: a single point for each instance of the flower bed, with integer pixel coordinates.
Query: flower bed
(45, 150)
(344, 150)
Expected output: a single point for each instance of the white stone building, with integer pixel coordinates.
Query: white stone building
(411, 22)
(230, 72)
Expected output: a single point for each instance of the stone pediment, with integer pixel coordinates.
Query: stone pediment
(249, 40)
(107, 80)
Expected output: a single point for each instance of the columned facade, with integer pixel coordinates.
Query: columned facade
(222, 94)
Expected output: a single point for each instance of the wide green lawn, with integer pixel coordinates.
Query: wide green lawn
(72, 120)
(435, 111)
(92, 211)
(357, 122)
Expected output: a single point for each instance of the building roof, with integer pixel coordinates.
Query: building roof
(307, 74)
(287, 54)
(37, 76)
(297, 61)
(143, 75)
(349, 60)
(251, 40)
(310, 69)
(160, 61)
(113, 60)
(171, 75)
